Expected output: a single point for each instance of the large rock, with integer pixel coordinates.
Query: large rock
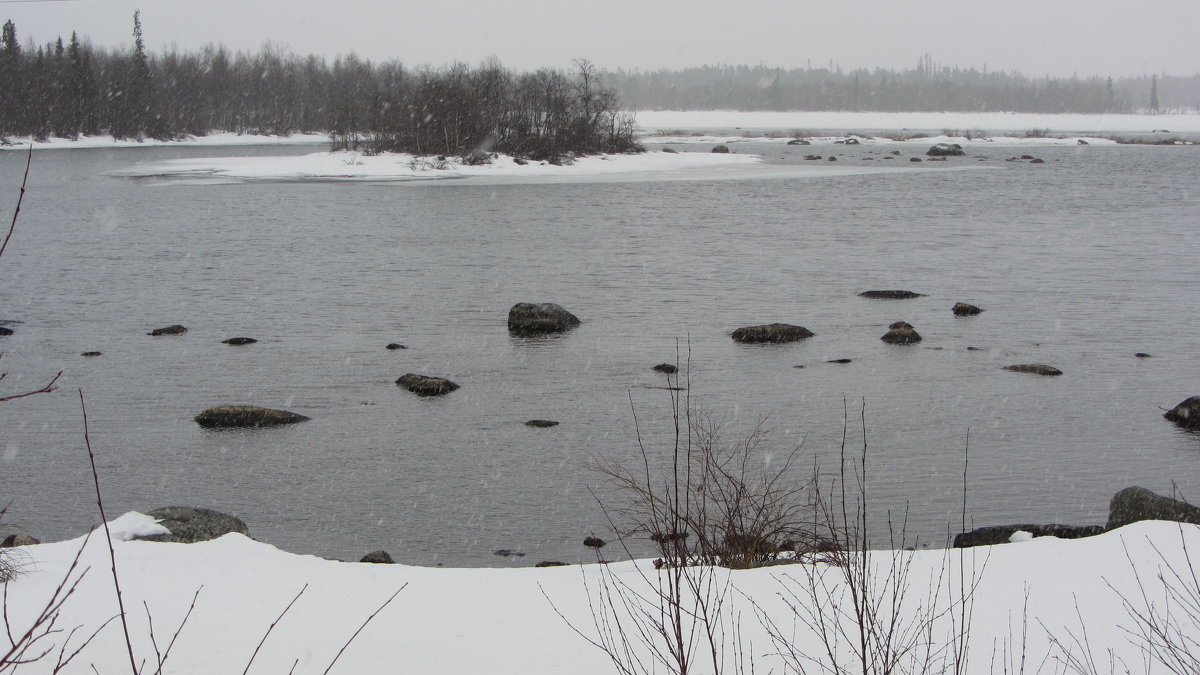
(380, 557)
(527, 318)
(945, 150)
(901, 333)
(424, 385)
(175, 329)
(224, 416)
(1134, 503)
(1186, 414)
(189, 525)
(1034, 368)
(14, 540)
(963, 309)
(5, 331)
(771, 333)
(1002, 534)
(890, 295)
(721, 149)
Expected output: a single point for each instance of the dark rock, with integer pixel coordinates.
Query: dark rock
(667, 368)
(721, 148)
(896, 152)
(1034, 368)
(1081, 142)
(832, 158)
(936, 159)
(1027, 157)
(519, 161)
(668, 537)
(189, 525)
(890, 295)
(850, 141)
(1134, 503)
(1142, 355)
(395, 345)
(594, 542)
(1002, 534)
(1037, 160)
(672, 151)
(772, 333)
(551, 563)
(526, 318)
(541, 424)
(813, 158)
(914, 159)
(424, 385)
(974, 349)
(945, 150)
(90, 354)
(378, 557)
(5, 331)
(799, 141)
(838, 361)
(506, 553)
(246, 416)
(1186, 414)
(168, 330)
(963, 309)
(14, 540)
(901, 333)
(239, 341)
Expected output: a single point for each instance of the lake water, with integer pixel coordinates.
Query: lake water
(1079, 263)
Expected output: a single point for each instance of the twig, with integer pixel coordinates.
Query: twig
(272, 627)
(20, 198)
(44, 390)
(364, 625)
(112, 554)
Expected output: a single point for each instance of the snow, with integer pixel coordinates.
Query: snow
(515, 621)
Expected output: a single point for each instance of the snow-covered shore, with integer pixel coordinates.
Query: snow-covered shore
(506, 621)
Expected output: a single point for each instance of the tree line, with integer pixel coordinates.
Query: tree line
(71, 89)
(927, 87)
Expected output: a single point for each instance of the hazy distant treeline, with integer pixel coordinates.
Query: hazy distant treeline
(71, 89)
(927, 87)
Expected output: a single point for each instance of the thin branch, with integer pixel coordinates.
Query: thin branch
(364, 625)
(44, 390)
(272, 627)
(20, 198)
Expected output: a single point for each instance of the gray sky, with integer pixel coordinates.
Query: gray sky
(1036, 37)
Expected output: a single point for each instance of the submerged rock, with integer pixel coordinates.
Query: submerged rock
(189, 525)
(90, 354)
(1034, 368)
(424, 385)
(175, 329)
(1135, 503)
(541, 424)
(963, 309)
(395, 345)
(527, 318)
(239, 341)
(799, 141)
(246, 416)
(1186, 414)
(771, 333)
(901, 333)
(890, 295)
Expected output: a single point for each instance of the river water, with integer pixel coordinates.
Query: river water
(1079, 263)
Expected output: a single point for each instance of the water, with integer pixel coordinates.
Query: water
(1079, 263)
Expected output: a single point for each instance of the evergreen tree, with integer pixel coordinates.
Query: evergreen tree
(1154, 94)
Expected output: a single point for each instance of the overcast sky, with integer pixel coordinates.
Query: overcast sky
(1036, 37)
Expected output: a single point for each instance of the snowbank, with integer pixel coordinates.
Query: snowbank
(506, 621)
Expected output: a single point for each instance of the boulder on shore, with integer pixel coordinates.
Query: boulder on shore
(1002, 534)
(1034, 368)
(1186, 414)
(379, 557)
(721, 149)
(771, 333)
(14, 540)
(527, 318)
(424, 385)
(223, 416)
(963, 309)
(890, 295)
(1135, 503)
(901, 333)
(189, 525)
(175, 329)
(945, 150)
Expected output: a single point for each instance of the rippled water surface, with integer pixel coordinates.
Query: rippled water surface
(1080, 263)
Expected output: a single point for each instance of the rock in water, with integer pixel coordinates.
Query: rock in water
(189, 525)
(945, 150)
(901, 333)
(168, 330)
(527, 318)
(770, 333)
(963, 309)
(246, 416)
(721, 149)
(1034, 368)
(890, 295)
(1134, 503)
(667, 368)
(239, 341)
(1186, 414)
(424, 385)
(379, 557)
(541, 424)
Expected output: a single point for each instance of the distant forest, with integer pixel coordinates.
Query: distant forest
(928, 87)
(71, 88)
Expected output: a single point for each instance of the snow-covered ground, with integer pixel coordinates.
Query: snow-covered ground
(500, 621)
